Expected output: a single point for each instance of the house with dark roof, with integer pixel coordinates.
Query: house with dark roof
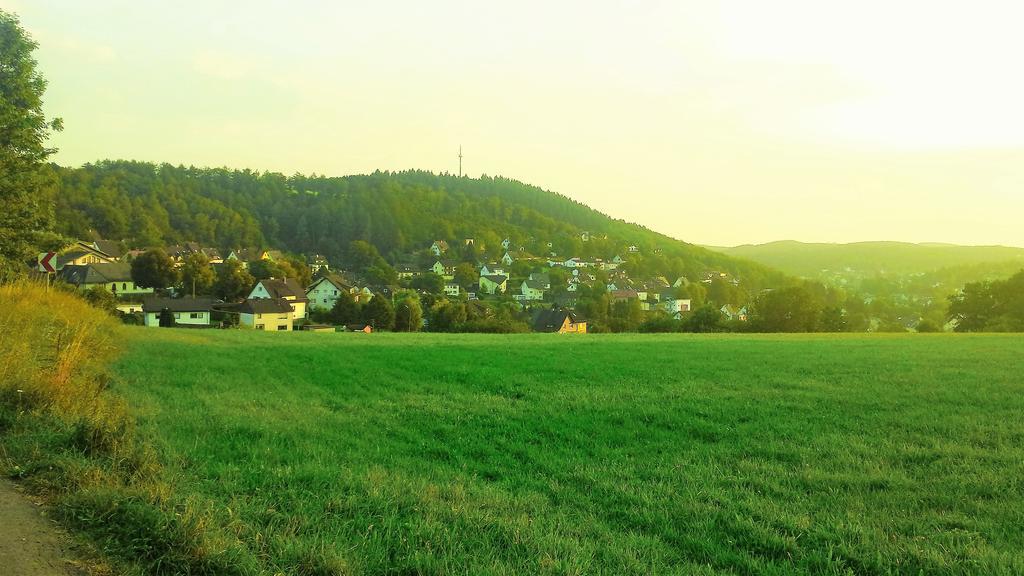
(558, 321)
(187, 311)
(282, 288)
(269, 314)
(532, 289)
(113, 276)
(493, 283)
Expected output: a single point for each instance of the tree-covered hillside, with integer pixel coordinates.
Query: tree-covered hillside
(400, 213)
(869, 258)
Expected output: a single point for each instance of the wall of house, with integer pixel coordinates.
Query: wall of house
(268, 322)
(201, 318)
(323, 296)
(120, 288)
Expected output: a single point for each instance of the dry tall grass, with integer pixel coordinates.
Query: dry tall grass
(72, 439)
(54, 350)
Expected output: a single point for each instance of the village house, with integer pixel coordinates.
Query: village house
(492, 269)
(543, 278)
(532, 290)
(439, 247)
(558, 321)
(269, 314)
(80, 254)
(445, 270)
(186, 311)
(114, 276)
(506, 259)
(405, 271)
(283, 288)
(505, 244)
(674, 307)
(324, 291)
(451, 289)
(493, 283)
(319, 264)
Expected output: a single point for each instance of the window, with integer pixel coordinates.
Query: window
(124, 286)
(259, 315)
(177, 315)
(281, 327)
(259, 326)
(113, 287)
(195, 315)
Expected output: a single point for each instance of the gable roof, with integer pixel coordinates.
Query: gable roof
(100, 273)
(264, 306)
(333, 278)
(496, 278)
(552, 320)
(283, 287)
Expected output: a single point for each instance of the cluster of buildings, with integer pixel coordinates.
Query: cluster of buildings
(279, 304)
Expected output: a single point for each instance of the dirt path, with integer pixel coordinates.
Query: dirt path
(30, 543)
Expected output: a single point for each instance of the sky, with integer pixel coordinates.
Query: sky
(718, 123)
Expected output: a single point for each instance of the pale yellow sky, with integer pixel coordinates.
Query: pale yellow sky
(715, 122)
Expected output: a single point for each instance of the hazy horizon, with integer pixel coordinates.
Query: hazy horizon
(720, 126)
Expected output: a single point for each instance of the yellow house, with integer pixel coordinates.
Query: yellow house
(560, 321)
(269, 314)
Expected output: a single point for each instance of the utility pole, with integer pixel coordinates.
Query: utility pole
(460, 161)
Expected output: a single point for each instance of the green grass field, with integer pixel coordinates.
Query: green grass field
(617, 454)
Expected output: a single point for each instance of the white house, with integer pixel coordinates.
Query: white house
(532, 290)
(633, 249)
(675, 307)
(451, 289)
(186, 311)
(505, 244)
(286, 288)
(323, 293)
(506, 259)
(446, 271)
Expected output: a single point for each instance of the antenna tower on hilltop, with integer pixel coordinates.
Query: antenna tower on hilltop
(460, 161)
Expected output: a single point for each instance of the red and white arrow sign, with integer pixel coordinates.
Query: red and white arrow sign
(45, 262)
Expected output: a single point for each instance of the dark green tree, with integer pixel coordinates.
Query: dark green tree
(197, 276)
(101, 298)
(166, 318)
(379, 313)
(791, 309)
(26, 181)
(428, 282)
(703, 320)
(233, 281)
(345, 310)
(408, 315)
(154, 269)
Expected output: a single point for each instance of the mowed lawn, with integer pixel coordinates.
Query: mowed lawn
(597, 454)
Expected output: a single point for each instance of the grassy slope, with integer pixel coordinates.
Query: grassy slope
(611, 454)
(808, 259)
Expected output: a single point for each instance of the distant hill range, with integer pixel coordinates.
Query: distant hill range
(812, 260)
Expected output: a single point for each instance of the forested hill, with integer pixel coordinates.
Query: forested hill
(400, 213)
(871, 258)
